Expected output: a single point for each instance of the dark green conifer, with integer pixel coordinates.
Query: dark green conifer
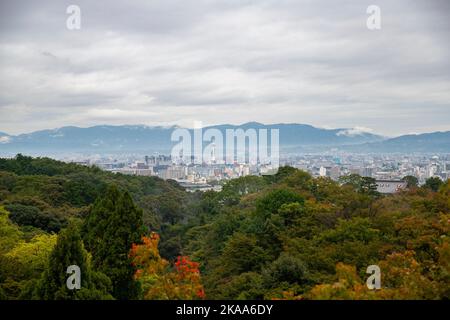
(112, 226)
(69, 251)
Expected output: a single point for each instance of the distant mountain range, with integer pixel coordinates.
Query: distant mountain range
(140, 139)
(420, 143)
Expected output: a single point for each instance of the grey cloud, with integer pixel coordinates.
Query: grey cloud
(159, 62)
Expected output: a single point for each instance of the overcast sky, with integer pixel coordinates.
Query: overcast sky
(175, 62)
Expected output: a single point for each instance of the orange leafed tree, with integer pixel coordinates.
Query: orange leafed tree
(160, 281)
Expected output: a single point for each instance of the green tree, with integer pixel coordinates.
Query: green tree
(112, 226)
(433, 183)
(236, 188)
(9, 233)
(3, 295)
(412, 182)
(27, 260)
(31, 216)
(363, 185)
(286, 269)
(242, 253)
(282, 173)
(69, 251)
(273, 201)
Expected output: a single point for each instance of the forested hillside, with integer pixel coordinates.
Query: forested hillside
(287, 236)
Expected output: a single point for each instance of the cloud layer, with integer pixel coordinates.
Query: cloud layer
(222, 61)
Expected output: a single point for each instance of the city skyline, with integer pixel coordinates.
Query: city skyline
(166, 63)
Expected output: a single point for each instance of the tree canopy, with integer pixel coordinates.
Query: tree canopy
(286, 236)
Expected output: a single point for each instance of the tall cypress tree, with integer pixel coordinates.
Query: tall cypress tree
(113, 224)
(68, 251)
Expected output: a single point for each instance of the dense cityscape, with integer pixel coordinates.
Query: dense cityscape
(211, 175)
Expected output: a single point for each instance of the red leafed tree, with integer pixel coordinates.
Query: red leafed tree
(158, 279)
(187, 276)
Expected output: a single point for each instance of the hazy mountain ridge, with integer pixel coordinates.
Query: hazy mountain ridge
(426, 142)
(148, 139)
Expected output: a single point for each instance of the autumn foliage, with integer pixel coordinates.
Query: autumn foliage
(161, 281)
(286, 236)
